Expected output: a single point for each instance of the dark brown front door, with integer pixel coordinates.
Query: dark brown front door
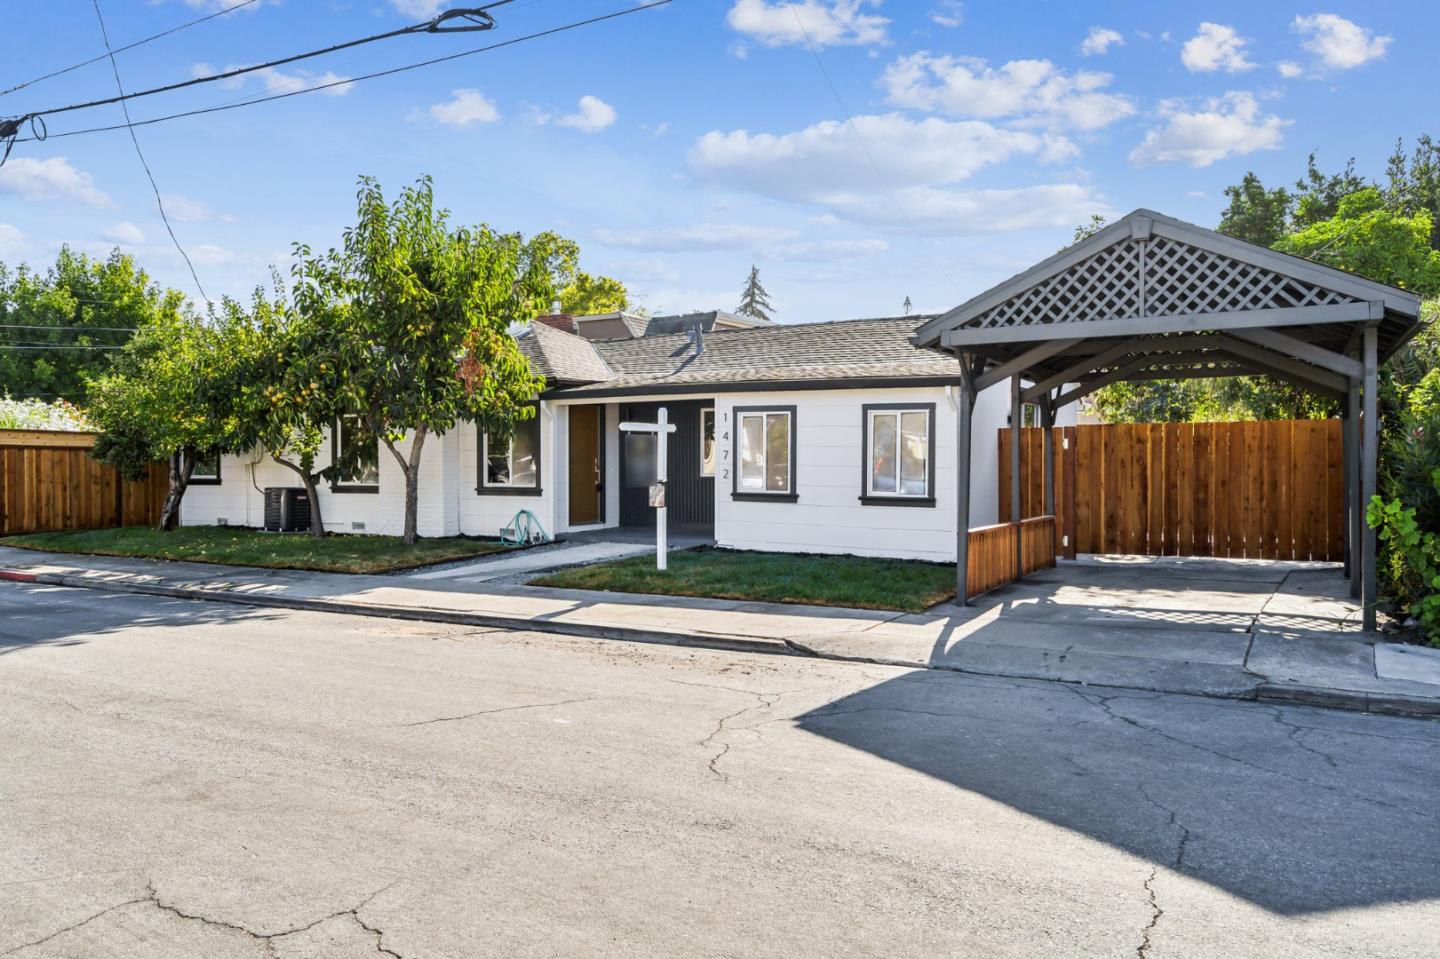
(586, 469)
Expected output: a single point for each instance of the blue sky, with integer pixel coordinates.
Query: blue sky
(681, 144)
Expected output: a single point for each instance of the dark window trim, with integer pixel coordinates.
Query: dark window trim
(482, 439)
(335, 485)
(757, 496)
(868, 498)
(209, 480)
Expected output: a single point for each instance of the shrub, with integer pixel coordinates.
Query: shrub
(39, 415)
(1408, 514)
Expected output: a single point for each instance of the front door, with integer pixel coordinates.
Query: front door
(587, 487)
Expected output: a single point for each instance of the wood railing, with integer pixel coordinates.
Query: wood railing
(48, 481)
(992, 552)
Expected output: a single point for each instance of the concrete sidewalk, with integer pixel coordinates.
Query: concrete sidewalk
(1269, 631)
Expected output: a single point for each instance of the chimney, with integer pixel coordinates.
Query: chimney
(557, 319)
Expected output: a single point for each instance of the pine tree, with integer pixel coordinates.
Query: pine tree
(754, 301)
(907, 306)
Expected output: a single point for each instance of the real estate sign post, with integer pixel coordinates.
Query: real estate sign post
(662, 428)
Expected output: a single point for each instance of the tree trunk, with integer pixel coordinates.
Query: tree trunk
(182, 464)
(411, 468)
(317, 522)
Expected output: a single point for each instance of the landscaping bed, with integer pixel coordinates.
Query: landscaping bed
(812, 580)
(237, 546)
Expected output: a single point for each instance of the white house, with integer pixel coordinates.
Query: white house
(831, 437)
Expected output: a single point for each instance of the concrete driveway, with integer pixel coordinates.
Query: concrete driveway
(203, 779)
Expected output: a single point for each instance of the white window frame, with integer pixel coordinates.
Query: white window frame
(741, 415)
(898, 412)
(708, 469)
(509, 484)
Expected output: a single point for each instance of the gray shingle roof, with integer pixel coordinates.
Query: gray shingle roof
(841, 350)
(562, 357)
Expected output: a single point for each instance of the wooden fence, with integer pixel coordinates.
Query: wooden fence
(49, 482)
(992, 552)
(1268, 490)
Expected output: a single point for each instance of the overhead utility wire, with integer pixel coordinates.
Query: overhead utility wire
(67, 329)
(234, 105)
(159, 203)
(470, 19)
(129, 46)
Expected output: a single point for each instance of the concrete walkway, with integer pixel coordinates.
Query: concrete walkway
(1283, 632)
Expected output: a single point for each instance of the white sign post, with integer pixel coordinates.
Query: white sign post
(662, 428)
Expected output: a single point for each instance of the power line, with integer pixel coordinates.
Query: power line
(129, 46)
(66, 329)
(466, 20)
(55, 346)
(159, 203)
(234, 105)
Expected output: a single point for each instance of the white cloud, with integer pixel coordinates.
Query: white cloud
(186, 210)
(1338, 42)
(1289, 69)
(52, 179)
(1215, 47)
(648, 270)
(918, 161)
(12, 240)
(593, 116)
(278, 82)
(1034, 91)
(465, 107)
(704, 236)
(828, 250)
(1099, 40)
(420, 9)
(1225, 126)
(832, 23)
(948, 13)
(124, 232)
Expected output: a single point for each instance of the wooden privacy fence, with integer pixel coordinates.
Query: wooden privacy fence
(992, 552)
(48, 482)
(1267, 490)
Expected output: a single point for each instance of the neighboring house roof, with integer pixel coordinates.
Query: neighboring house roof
(707, 321)
(561, 357)
(841, 352)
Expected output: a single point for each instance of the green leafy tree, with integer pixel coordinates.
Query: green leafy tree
(1096, 224)
(754, 301)
(1254, 213)
(172, 394)
(585, 294)
(1367, 236)
(1414, 182)
(421, 314)
(1317, 195)
(74, 310)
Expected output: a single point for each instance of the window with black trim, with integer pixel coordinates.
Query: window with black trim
(512, 465)
(899, 448)
(359, 454)
(707, 441)
(207, 469)
(765, 452)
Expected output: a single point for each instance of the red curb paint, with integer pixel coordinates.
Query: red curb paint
(17, 576)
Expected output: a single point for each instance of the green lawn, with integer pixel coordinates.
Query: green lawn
(248, 547)
(854, 581)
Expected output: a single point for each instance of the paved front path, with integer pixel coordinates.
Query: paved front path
(185, 779)
(1284, 632)
(534, 560)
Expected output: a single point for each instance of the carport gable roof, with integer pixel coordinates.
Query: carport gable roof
(1150, 284)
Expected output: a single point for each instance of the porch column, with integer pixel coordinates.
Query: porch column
(1015, 512)
(964, 405)
(1351, 428)
(1369, 460)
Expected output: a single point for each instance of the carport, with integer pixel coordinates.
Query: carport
(1150, 297)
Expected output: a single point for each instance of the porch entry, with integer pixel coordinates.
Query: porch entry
(587, 465)
(1266, 490)
(690, 492)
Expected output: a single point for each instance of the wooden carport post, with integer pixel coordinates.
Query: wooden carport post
(1351, 427)
(1369, 462)
(1047, 418)
(964, 406)
(1015, 512)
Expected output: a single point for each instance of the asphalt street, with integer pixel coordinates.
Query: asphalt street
(189, 779)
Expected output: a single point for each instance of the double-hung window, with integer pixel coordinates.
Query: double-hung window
(899, 443)
(206, 471)
(765, 452)
(357, 453)
(512, 465)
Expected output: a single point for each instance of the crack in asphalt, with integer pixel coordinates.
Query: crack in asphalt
(1156, 913)
(1294, 736)
(765, 701)
(1103, 704)
(488, 712)
(152, 897)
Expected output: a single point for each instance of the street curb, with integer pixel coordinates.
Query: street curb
(1288, 694)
